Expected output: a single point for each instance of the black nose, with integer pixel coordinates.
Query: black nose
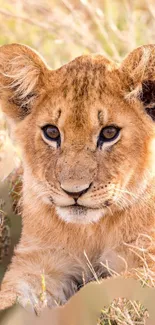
(75, 195)
(75, 191)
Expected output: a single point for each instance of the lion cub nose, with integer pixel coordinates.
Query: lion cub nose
(75, 190)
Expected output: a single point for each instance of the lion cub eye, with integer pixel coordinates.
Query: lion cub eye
(51, 132)
(107, 134)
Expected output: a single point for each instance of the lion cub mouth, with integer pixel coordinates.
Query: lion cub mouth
(77, 208)
(79, 214)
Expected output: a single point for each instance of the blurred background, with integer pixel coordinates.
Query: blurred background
(63, 29)
(60, 30)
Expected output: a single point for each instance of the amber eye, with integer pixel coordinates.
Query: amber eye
(51, 132)
(107, 134)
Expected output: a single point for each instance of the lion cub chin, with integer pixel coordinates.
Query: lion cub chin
(87, 133)
(80, 214)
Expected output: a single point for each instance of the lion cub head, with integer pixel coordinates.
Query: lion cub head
(86, 130)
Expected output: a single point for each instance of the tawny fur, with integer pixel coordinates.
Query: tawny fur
(80, 98)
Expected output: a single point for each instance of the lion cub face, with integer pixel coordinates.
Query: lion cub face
(86, 147)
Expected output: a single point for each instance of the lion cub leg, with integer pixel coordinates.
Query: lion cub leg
(38, 279)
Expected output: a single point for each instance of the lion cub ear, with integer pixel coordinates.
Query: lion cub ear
(22, 79)
(138, 73)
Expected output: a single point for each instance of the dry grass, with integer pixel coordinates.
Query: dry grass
(124, 312)
(64, 29)
(61, 30)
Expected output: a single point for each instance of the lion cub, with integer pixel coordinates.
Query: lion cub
(87, 136)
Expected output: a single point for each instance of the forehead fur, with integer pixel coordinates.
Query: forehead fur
(85, 76)
(82, 83)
